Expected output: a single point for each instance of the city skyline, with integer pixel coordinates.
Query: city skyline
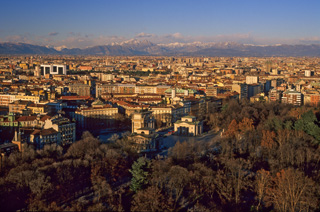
(81, 24)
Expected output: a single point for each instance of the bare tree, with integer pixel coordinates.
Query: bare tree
(292, 191)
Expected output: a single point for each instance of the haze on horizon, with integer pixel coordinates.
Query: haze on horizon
(80, 23)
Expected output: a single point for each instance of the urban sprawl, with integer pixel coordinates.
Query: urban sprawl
(54, 99)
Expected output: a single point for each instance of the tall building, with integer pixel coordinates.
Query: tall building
(254, 89)
(242, 89)
(37, 72)
(18, 107)
(41, 137)
(53, 69)
(107, 77)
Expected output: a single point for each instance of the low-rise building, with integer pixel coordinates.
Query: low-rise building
(261, 97)
(41, 137)
(142, 119)
(99, 115)
(143, 138)
(188, 126)
(18, 107)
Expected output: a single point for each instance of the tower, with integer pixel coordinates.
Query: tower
(173, 93)
(17, 139)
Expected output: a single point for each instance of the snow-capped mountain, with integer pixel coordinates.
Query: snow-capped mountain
(145, 47)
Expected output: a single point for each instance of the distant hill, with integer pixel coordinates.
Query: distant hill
(136, 47)
(23, 48)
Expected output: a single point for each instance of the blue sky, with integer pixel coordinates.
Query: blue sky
(79, 23)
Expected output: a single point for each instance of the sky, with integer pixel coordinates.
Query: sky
(80, 23)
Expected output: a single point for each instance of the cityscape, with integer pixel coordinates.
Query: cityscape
(142, 120)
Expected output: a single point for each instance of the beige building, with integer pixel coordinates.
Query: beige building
(143, 119)
(242, 89)
(212, 91)
(252, 80)
(143, 138)
(34, 99)
(188, 126)
(80, 89)
(145, 89)
(99, 115)
(106, 88)
(19, 107)
(6, 99)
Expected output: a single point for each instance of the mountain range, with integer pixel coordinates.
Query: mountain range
(145, 47)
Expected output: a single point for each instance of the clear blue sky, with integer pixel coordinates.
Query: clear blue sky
(84, 23)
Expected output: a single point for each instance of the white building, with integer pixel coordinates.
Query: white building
(188, 126)
(53, 69)
(107, 77)
(308, 73)
(252, 80)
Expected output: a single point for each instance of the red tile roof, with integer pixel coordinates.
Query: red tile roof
(27, 118)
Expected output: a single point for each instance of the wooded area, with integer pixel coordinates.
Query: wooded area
(267, 160)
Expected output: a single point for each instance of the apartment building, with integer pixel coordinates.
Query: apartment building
(275, 95)
(100, 115)
(242, 89)
(106, 88)
(19, 107)
(145, 89)
(252, 80)
(80, 89)
(212, 91)
(64, 126)
(292, 97)
(41, 137)
(6, 99)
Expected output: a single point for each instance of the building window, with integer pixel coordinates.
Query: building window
(42, 70)
(47, 70)
(60, 70)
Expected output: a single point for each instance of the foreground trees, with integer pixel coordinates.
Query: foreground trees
(267, 159)
(50, 180)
